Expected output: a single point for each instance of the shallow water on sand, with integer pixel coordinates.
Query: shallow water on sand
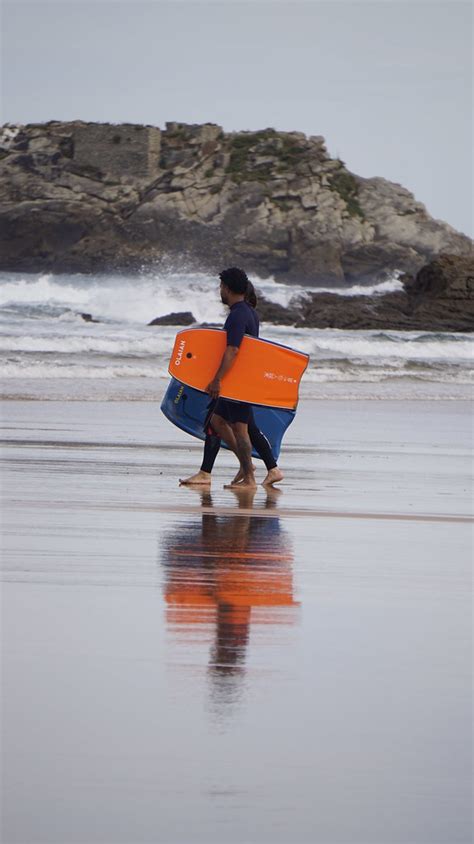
(201, 666)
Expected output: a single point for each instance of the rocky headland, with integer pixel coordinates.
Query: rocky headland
(87, 197)
(81, 197)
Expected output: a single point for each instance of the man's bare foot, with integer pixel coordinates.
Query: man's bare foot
(201, 478)
(273, 476)
(240, 476)
(245, 483)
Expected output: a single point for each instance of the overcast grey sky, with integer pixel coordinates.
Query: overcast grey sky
(387, 82)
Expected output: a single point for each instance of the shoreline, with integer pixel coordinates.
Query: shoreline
(362, 442)
(152, 390)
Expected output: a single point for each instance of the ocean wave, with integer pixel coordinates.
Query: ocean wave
(378, 374)
(44, 336)
(321, 344)
(69, 366)
(84, 344)
(391, 285)
(19, 369)
(141, 298)
(137, 299)
(369, 347)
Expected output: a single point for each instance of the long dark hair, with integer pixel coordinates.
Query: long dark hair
(250, 295)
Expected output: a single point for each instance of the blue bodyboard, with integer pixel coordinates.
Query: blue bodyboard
(188, 409)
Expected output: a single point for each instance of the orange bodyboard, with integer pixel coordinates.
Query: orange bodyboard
(263, 373)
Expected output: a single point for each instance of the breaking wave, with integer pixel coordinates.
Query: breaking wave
(44, 336)
(142, 298)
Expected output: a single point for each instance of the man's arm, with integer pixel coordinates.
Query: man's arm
(228, 358)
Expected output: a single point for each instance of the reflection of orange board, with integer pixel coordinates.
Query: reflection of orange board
(263, 373)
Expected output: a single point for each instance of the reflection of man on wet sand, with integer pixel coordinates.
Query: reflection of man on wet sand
(220, 569)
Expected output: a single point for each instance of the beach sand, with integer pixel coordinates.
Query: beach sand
(185, 666)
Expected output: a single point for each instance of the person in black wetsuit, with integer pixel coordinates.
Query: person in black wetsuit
(258, 440)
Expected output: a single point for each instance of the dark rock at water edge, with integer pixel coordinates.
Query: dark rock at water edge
(277, 314)
(180, 318)
(86, 197)
(439, 298)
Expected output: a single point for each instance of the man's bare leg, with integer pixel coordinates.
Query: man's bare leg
(240, 475)
(200, 478)
(244, 453)
(273, 476)
(224, 431)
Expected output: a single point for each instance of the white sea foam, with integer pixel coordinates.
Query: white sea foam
(320, 344)
(43, 335)
(325, 371)
(88, 343)
(378, 345)
(59, 369)
(142, 298)
(373, 347)
(377, 374)
(121, 299)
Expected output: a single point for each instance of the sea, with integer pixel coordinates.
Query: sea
(48, 350)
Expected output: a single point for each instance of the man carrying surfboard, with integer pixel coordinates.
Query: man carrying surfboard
(230, 419)
(259, 441)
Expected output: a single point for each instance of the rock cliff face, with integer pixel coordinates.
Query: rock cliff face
(83, 196)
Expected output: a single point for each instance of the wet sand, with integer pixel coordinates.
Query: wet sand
(201, 666)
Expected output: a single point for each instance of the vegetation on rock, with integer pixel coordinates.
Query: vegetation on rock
(346, 186)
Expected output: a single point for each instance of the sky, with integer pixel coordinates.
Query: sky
(388, 83)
